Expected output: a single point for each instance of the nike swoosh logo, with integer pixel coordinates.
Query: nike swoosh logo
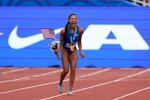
(17, 42)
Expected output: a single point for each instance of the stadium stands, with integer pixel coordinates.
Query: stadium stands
(111, 3)
(145, 3)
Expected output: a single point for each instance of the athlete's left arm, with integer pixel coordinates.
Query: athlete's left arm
(81, 31)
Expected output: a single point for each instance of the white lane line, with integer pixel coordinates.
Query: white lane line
(35, 86)
(13, 71)
(101, 84)
(32, 76)
(132, 93)
(93, 73)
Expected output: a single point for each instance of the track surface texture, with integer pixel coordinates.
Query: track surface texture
(90, 84)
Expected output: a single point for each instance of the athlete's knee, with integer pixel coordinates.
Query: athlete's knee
(73, 70)
(66, 70)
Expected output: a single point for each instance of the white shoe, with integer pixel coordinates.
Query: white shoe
(70, 93)
(60, 89)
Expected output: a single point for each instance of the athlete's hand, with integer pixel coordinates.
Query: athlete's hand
(57, 55)
(82, 54)
(57, 52)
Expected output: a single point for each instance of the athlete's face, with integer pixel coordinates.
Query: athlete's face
(73, 19)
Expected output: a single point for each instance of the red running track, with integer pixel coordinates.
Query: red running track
(90, 84)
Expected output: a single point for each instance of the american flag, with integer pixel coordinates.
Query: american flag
(48, 33)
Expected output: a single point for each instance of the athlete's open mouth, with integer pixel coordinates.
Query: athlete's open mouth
(74, 22)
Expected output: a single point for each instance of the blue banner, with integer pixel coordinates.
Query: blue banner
(113, 37)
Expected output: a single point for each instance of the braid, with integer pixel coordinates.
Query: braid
(66, 26)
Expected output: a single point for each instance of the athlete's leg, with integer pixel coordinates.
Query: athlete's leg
(73, 63)
(64, 59)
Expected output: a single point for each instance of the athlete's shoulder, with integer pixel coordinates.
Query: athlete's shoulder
(62, 31)
(80, 29)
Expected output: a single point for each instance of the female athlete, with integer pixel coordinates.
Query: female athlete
(70, 36)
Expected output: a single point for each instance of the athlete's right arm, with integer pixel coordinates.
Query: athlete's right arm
(62, 34)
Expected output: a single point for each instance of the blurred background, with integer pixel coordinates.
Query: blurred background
(116, 32)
